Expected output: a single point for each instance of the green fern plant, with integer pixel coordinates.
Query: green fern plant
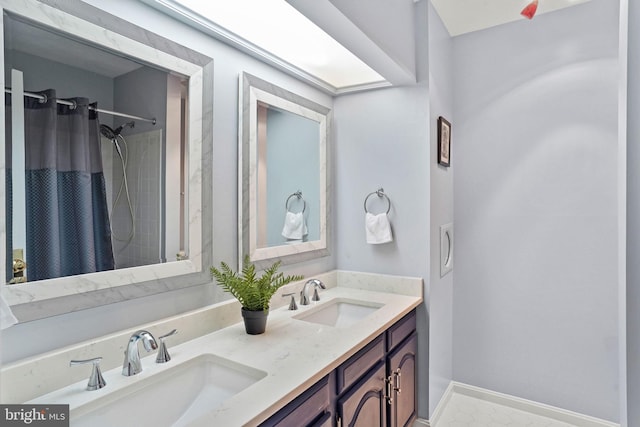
(254, 293)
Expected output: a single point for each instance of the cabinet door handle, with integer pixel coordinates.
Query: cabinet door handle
(388, 390)
(397, 374)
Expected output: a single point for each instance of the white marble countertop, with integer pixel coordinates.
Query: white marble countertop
(294, 354)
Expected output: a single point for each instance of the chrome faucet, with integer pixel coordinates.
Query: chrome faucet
(132, 364)
(304, 293)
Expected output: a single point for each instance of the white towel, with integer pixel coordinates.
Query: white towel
(378, 228)
(294, 226)
(7, 318)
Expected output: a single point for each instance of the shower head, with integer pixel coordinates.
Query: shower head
(107, 132)
(110, 133)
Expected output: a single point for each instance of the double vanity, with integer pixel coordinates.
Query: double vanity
(318, 362)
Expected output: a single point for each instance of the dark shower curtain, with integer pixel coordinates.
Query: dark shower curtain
(67, 223)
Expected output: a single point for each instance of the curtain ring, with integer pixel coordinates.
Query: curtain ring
(74, 104)
(44, 99)
(380, 193)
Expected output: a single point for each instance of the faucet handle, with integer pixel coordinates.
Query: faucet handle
(317, 284)
(304, 299)
(163, 353)
(292, 304)
(96, 381)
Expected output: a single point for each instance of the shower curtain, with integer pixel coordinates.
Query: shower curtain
(67, 222)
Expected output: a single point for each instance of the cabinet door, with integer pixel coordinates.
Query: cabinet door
(402, 372)
(365, 405)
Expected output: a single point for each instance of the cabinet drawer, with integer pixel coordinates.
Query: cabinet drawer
(401, 330)
(358, 365)
(304, 409)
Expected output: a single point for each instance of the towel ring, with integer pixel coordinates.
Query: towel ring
(380, 193)
(297, 194)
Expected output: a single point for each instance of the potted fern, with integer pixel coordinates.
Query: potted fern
(254, 293)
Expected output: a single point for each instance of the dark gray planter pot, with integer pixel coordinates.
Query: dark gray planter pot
(255, 322)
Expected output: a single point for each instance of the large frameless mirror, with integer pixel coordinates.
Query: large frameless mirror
(103, 163)
(283, 182)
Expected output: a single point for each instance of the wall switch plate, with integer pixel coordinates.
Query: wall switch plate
(446, 249)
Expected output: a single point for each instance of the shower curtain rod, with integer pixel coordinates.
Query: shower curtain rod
(99, 110)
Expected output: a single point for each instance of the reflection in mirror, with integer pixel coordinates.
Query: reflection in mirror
(283, 190)
(105, 80)
(86, 169)
(288, 177)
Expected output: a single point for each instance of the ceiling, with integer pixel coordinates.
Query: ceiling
(465, 16)
(36, 41)
(459, 17)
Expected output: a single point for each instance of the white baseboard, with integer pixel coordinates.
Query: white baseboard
(421, 422)
(444, 401)
(513, 402)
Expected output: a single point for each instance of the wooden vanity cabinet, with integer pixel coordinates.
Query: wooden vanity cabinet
(376, 387)
(386, 397)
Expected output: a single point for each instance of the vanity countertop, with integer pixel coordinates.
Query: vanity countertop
(294, 354)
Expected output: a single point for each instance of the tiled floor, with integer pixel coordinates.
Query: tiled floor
(465, 411)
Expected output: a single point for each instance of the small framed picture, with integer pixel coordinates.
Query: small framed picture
(444, 142)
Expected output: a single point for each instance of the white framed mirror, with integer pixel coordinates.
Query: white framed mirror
(283, 179)
(189, 73)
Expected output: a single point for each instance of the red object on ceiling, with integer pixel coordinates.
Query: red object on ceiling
(530, 9)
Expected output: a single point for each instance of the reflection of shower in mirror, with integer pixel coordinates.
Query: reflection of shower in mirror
(133, 167)
(113, 135)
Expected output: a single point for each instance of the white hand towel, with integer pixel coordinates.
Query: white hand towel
(378, 228)
(7, 318)
(294, 226)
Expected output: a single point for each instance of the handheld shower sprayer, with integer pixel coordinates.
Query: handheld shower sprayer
(112, 134)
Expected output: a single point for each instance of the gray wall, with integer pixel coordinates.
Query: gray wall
(143, 93)
(381, 141)
(229, 63)
(633, 217)
(535, 151)
(441, 288)
(69, 82)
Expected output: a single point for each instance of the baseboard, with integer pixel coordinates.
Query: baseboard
(444, 401)
(421, 422)
(513, 402)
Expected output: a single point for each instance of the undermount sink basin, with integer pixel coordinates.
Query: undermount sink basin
(173, 397)
(340, 313)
